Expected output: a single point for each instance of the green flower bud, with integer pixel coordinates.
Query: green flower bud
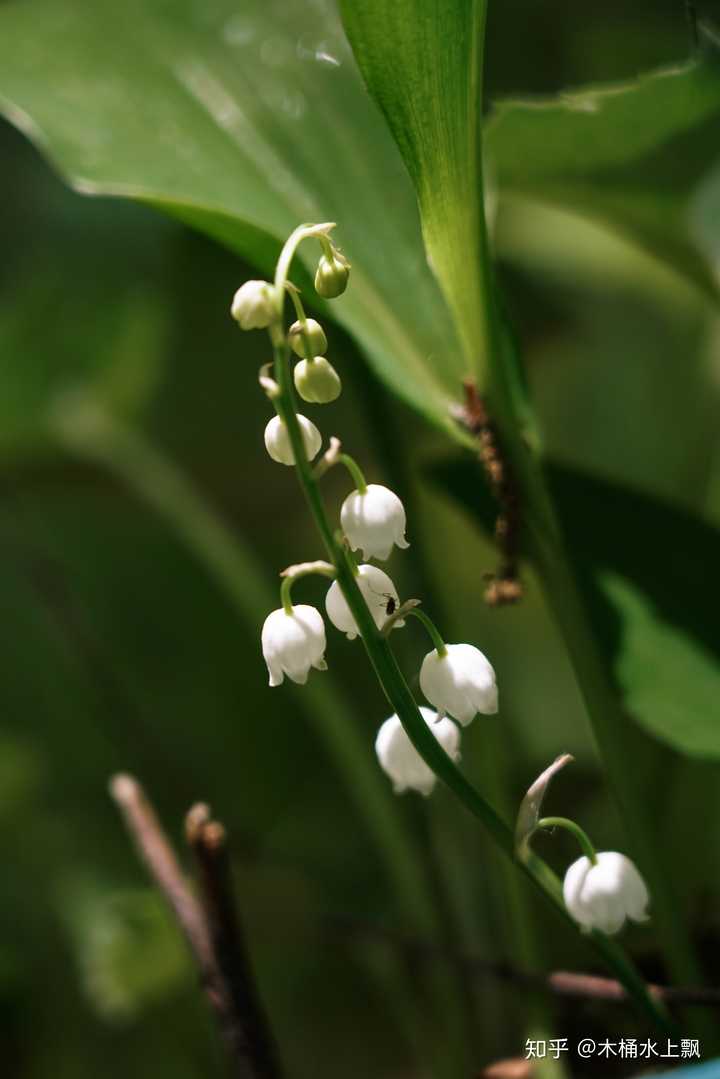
(332, 275)
(317, 381)
(253, 305)
(314, 335)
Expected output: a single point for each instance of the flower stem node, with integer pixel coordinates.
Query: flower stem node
(332, 275)
(460, 683)
(293, 642)
(254, 305)
(277, 440)
(603, 895)
(377, 590)
(373, 520)
(317, 381)
(307, 335)
(401, 761)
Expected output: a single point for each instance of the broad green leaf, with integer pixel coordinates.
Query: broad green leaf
(242, 122)
(671, 680)
(421, 62)
(634, 156)
(643, 564)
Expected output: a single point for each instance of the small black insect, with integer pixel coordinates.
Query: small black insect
(391, 604)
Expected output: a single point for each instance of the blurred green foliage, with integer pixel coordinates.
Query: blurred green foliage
(121, 651)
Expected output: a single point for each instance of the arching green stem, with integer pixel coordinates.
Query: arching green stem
(302, 319)
(582, 837)
(411, 607)
(294, 573)
(355, 471)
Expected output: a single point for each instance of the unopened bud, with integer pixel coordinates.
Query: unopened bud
(317, 381)
(253, 305)
(332, 275)
(312, 332)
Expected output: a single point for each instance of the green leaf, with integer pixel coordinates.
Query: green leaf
(422, 62)
(670, 679)
(643, 565)
(635, 156)
(242, 123)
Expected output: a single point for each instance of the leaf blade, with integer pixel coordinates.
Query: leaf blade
(422, 64)
(241, 125)
(632, 156)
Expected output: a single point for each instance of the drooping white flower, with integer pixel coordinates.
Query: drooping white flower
(602, 896)
(460, 683)
(401, 761)
(378, 592)
(253, 305)
(374, 520)
(293, 643)
(277, 440)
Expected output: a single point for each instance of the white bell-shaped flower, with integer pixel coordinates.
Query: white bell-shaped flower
(373, 520)
(401, 761)
(379, 593)
(460, 683)
(603, 895)
(253, 305)
(277, 440)
(293, 643)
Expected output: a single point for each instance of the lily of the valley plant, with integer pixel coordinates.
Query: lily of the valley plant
(457, 678)
(416, 745)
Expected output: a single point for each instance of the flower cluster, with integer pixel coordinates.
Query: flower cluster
(600, 890)
(456, 679)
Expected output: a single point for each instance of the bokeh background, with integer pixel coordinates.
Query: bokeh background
(139, 557)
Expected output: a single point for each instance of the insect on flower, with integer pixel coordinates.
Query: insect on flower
(391, 604)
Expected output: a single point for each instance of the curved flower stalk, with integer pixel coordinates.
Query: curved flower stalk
(375, 525)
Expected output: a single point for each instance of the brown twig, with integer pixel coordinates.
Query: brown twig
(562, 983)
(504, 586)
(210, 927)
(252, 1038)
